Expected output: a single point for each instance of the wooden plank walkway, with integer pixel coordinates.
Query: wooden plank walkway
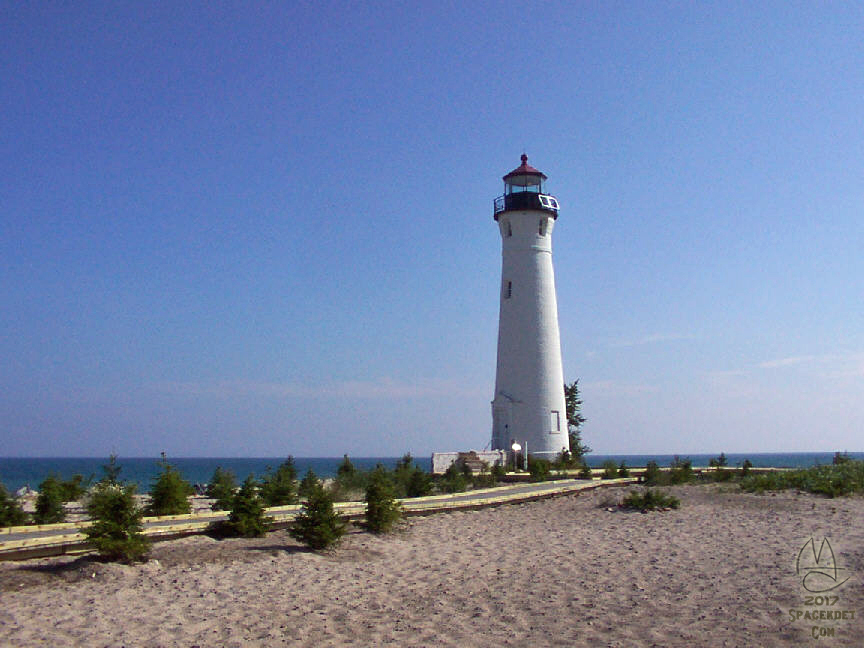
(18, 543)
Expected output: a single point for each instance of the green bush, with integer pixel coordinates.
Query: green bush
(610, 469)
(116, 528)
(841, 458)
(719, 462)
(483, 479)
(11, 513)
(309, 484)
(75, 488)
(350, 482)
(649, 500)
(836, 480)
(317, 525)
(453, 479)
(680, 471)
(585, 471)
(346, 469)
(623, 471)
(653, 475)
(410, 480)
(720, 475)
(745, 468)
(222, 486)
(382, 509)
(112, 471)
(247, 518)
(280, 488)
(539, 469)
(49, 504)
(419, 483)
(169, 494)
(498, 472)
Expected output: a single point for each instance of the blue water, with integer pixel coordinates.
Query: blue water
(17, 472)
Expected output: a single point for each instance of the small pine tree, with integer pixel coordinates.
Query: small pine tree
(112, 471)
(280, 488)
(573, 405)
(585, 471)
(222, 486)
(402, 474)
(350, 480)
(610, 469)
(170, 493)
(382, 509)
(49, 504)
(540, 469)
(11, 513)
(680, 470)
(310, 481)
(74, 488)
(498, 472)
(346, 469)
(653, 475)
(453, 480)
(116, 528)
(623, 471)
(841, 458)
(719, 462)
(247, 518)
(419, 483)
(318, 525)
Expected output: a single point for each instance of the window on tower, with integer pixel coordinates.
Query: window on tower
(508, 289)
(509, 228)
(555, 422)
(542, 229)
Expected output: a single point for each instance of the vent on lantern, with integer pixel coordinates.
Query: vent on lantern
(548, 202)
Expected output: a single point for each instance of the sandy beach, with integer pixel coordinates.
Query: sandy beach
(720, 571)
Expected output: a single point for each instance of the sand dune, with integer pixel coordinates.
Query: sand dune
(720, 571)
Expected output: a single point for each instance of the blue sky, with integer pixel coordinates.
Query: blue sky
(266, 228)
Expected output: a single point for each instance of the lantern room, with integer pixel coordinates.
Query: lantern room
(524, 178)
(523, 189)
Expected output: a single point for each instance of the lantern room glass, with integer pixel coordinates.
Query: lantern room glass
(521, 183)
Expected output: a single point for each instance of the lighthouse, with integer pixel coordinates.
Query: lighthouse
(528, 406)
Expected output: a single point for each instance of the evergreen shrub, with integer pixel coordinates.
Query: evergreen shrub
(116, 527)
(653, 475)
(247, 518)
(650, 500)
(11, 513)
(318, 525)
(222, 486)
(280, 488)
(382, 509)
(453, 479)
(610, 469)
(539, 469)
(309, 483)
(75, 488)
(169, 494)
(49, 504)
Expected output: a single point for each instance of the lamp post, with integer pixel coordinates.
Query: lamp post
(516, 448)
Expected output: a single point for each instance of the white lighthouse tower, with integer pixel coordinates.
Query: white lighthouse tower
(528, 407)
